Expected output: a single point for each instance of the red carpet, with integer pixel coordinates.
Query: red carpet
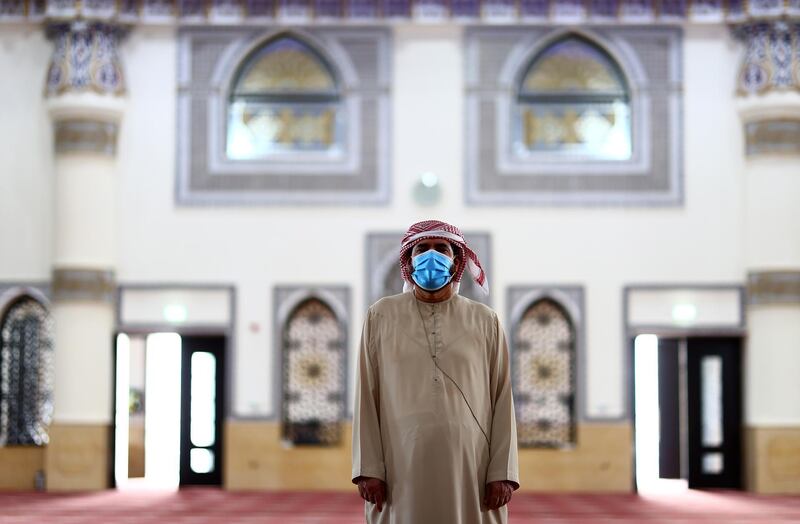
(206, 506)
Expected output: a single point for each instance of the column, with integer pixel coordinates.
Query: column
(769, 107)
(84, 94)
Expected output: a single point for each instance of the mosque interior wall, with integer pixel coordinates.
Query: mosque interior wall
(705, 240)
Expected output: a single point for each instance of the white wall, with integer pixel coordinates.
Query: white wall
(772, 242)
(773, 366)
(84, 371)
(772, 213)
(257, 248)
(26, 161)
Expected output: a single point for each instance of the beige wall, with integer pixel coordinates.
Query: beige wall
(26, 161)
(773, 459)
(77, 458)
(772, 366)
(256, 459)
(18, 467)
(599, 463)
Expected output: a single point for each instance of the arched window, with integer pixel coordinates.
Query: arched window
(544, 376)
(26, 353)
(313, 374)
(573, 99)
(285, 98)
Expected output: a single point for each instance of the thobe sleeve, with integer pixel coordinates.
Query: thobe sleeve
(503, 463)
(367, 446)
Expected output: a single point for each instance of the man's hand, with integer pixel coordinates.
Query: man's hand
(372, 490)
(498, 493)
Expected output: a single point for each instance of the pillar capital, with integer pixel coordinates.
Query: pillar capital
(85, 59)
(85, 86)
(768, 86)
(772, 56)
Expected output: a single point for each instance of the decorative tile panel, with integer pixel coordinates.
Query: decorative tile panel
(545, 343)
(311, 323)
(85, 59)
(26, 374)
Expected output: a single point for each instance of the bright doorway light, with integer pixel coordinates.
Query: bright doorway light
(162, 409)
(162, 422)
(122, 410)
(646, 411)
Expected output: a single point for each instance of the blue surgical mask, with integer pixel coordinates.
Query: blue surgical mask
(431, 270)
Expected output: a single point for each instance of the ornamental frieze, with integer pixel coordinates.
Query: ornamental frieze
(306, 11)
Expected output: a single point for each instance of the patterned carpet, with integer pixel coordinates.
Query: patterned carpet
(206, 506)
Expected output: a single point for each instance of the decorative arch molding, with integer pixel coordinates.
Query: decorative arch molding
(565, 298)
(498, 174)
(617, 48)
(240, 50)
(11, 293)
(286, 301)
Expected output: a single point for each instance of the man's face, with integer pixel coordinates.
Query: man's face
(440, 245)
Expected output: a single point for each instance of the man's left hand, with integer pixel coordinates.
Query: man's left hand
(498, 493)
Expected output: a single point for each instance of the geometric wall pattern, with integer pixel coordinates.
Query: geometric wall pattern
(26, 386)
(314, 374)
(544, 369)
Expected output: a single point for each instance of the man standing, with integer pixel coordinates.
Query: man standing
(434, 435)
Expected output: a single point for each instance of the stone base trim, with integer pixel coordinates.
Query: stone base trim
(86, 136)
(600, 462)
(255, 459)
(19, 467)
(77, 458)
(773, 287)
(84, 284)
(773, 459)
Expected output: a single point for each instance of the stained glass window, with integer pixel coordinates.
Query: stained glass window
(26, 353)
(544, 376)
(285, 99)
(573, 100)
(313, 375)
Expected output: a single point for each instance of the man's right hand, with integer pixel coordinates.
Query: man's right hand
(372, 490)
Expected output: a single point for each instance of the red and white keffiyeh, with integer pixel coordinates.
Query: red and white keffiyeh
(437, 229)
